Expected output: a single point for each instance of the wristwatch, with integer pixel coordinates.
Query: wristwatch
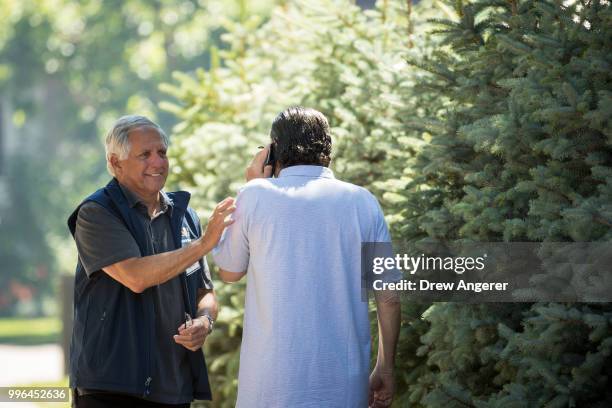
(211, 322)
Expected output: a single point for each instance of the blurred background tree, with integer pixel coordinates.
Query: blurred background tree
(67, 71)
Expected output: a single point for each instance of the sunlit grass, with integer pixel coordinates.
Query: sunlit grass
(30, 331)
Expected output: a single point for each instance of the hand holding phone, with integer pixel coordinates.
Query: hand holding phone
(271, 159)
(257, 168)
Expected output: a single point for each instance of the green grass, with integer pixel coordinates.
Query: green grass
(30, 331)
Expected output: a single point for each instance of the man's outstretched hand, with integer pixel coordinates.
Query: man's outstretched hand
(382, 387)
(218, 220)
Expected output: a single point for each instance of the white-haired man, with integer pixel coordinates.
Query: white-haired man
(141, 277)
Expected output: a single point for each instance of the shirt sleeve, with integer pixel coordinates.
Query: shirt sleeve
(232, 252)
(380, 231)
(102, 239)
(384, 248)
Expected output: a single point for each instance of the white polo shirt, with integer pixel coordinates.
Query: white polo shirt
(306, 339)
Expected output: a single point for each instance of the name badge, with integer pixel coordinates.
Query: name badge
(186, 239)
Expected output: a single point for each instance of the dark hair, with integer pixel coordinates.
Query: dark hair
(301, 136)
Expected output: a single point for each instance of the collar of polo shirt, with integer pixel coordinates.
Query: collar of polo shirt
(306, 171)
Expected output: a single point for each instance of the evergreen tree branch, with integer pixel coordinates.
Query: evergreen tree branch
(410, 27)
(453, 398)
(602, 220)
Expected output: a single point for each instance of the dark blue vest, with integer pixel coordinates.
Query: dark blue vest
(113, 344)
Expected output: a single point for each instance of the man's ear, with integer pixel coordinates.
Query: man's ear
(116, 165)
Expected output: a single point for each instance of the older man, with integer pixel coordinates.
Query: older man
(143, 299)
(297, 238)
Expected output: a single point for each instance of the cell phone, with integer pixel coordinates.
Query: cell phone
(188, 320)
(271, 159)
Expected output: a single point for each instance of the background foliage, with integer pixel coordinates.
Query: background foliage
(488, 123)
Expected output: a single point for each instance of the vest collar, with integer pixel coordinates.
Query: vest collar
(179, 200)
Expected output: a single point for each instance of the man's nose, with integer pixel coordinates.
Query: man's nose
(157, 160)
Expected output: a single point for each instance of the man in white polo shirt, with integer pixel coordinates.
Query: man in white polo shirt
(297, 238)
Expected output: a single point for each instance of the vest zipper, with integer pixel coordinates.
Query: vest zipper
(186, 287)
(147, 385)
(187, 297)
